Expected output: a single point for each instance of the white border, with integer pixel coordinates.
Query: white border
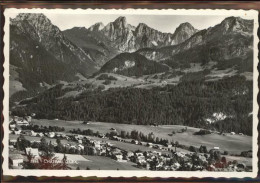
(126, 173)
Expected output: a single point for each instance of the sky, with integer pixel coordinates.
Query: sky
(163, 23)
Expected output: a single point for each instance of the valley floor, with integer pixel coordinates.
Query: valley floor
(234, 144)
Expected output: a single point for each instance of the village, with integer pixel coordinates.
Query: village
(30, 144)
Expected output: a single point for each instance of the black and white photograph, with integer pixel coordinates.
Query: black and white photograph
(165, 92)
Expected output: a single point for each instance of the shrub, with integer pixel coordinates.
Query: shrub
(225, 152)
(107, 82)
(101, 87)
(106, 77)
(203, 149)
(193, 149)
(202, 132)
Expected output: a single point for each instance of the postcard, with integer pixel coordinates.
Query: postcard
(133, 92)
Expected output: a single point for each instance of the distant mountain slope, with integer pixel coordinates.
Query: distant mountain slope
(42, 54)
(93, 42)
(230, 43)
(132, 64)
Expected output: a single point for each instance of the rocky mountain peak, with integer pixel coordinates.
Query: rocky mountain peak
(30, 16)
(237, 24)
(96, 27)
(120, 20)
(184, 26)
(142, 27)
(183, 32)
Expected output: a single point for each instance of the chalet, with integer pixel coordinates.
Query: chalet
(139, 154)
(96, 144)
(216, 148)
(78, 137)
(102, 135)
(37, 141)
(15, 118)
(28, 132)
(176, 166)
(40, 134)
(80, 141)
(22, 123)
(80, 147)
(129, 154)
(16, 161)
(34, 134)
(180, 154)
(18, 132)
(169, 145)
(73, 147)
(12, 126)
(232, 133)
(116, 138)
(240, 134)
(12, 141)
(141, 160)
(241, 167)
(28, 118)
(32, 151)
(150, 144)
(153, 124)
(86, 122)
(157, 146)
(134, 141)
(51, 134)
(164, 82)
(113, 129)
(118, 157)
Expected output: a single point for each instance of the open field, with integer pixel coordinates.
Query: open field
(246, 161)
(95, 162)
(234, 144)
(52, 140)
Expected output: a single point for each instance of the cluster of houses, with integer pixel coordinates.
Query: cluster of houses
(19, 121)
(150, 160)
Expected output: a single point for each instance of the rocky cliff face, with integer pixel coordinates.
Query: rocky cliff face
(93, 42)
(182, 33)
(96, 27)
(126, 37)
(42, 54)
(120, 34)
(232, 39)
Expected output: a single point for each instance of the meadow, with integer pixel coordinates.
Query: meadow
(234, 144)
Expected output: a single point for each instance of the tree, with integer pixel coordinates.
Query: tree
(22, 143)
(123, 134)
(78, 168)
(64, 165)
(157, 140)
(47, 149)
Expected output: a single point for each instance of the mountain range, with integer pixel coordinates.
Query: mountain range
(133, 74)
(41, 55)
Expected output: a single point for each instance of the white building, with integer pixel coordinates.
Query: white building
(32, 151)
(51, 134)
(22, 123)
(16, 161)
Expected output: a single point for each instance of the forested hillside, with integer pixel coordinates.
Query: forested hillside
(188, 103)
